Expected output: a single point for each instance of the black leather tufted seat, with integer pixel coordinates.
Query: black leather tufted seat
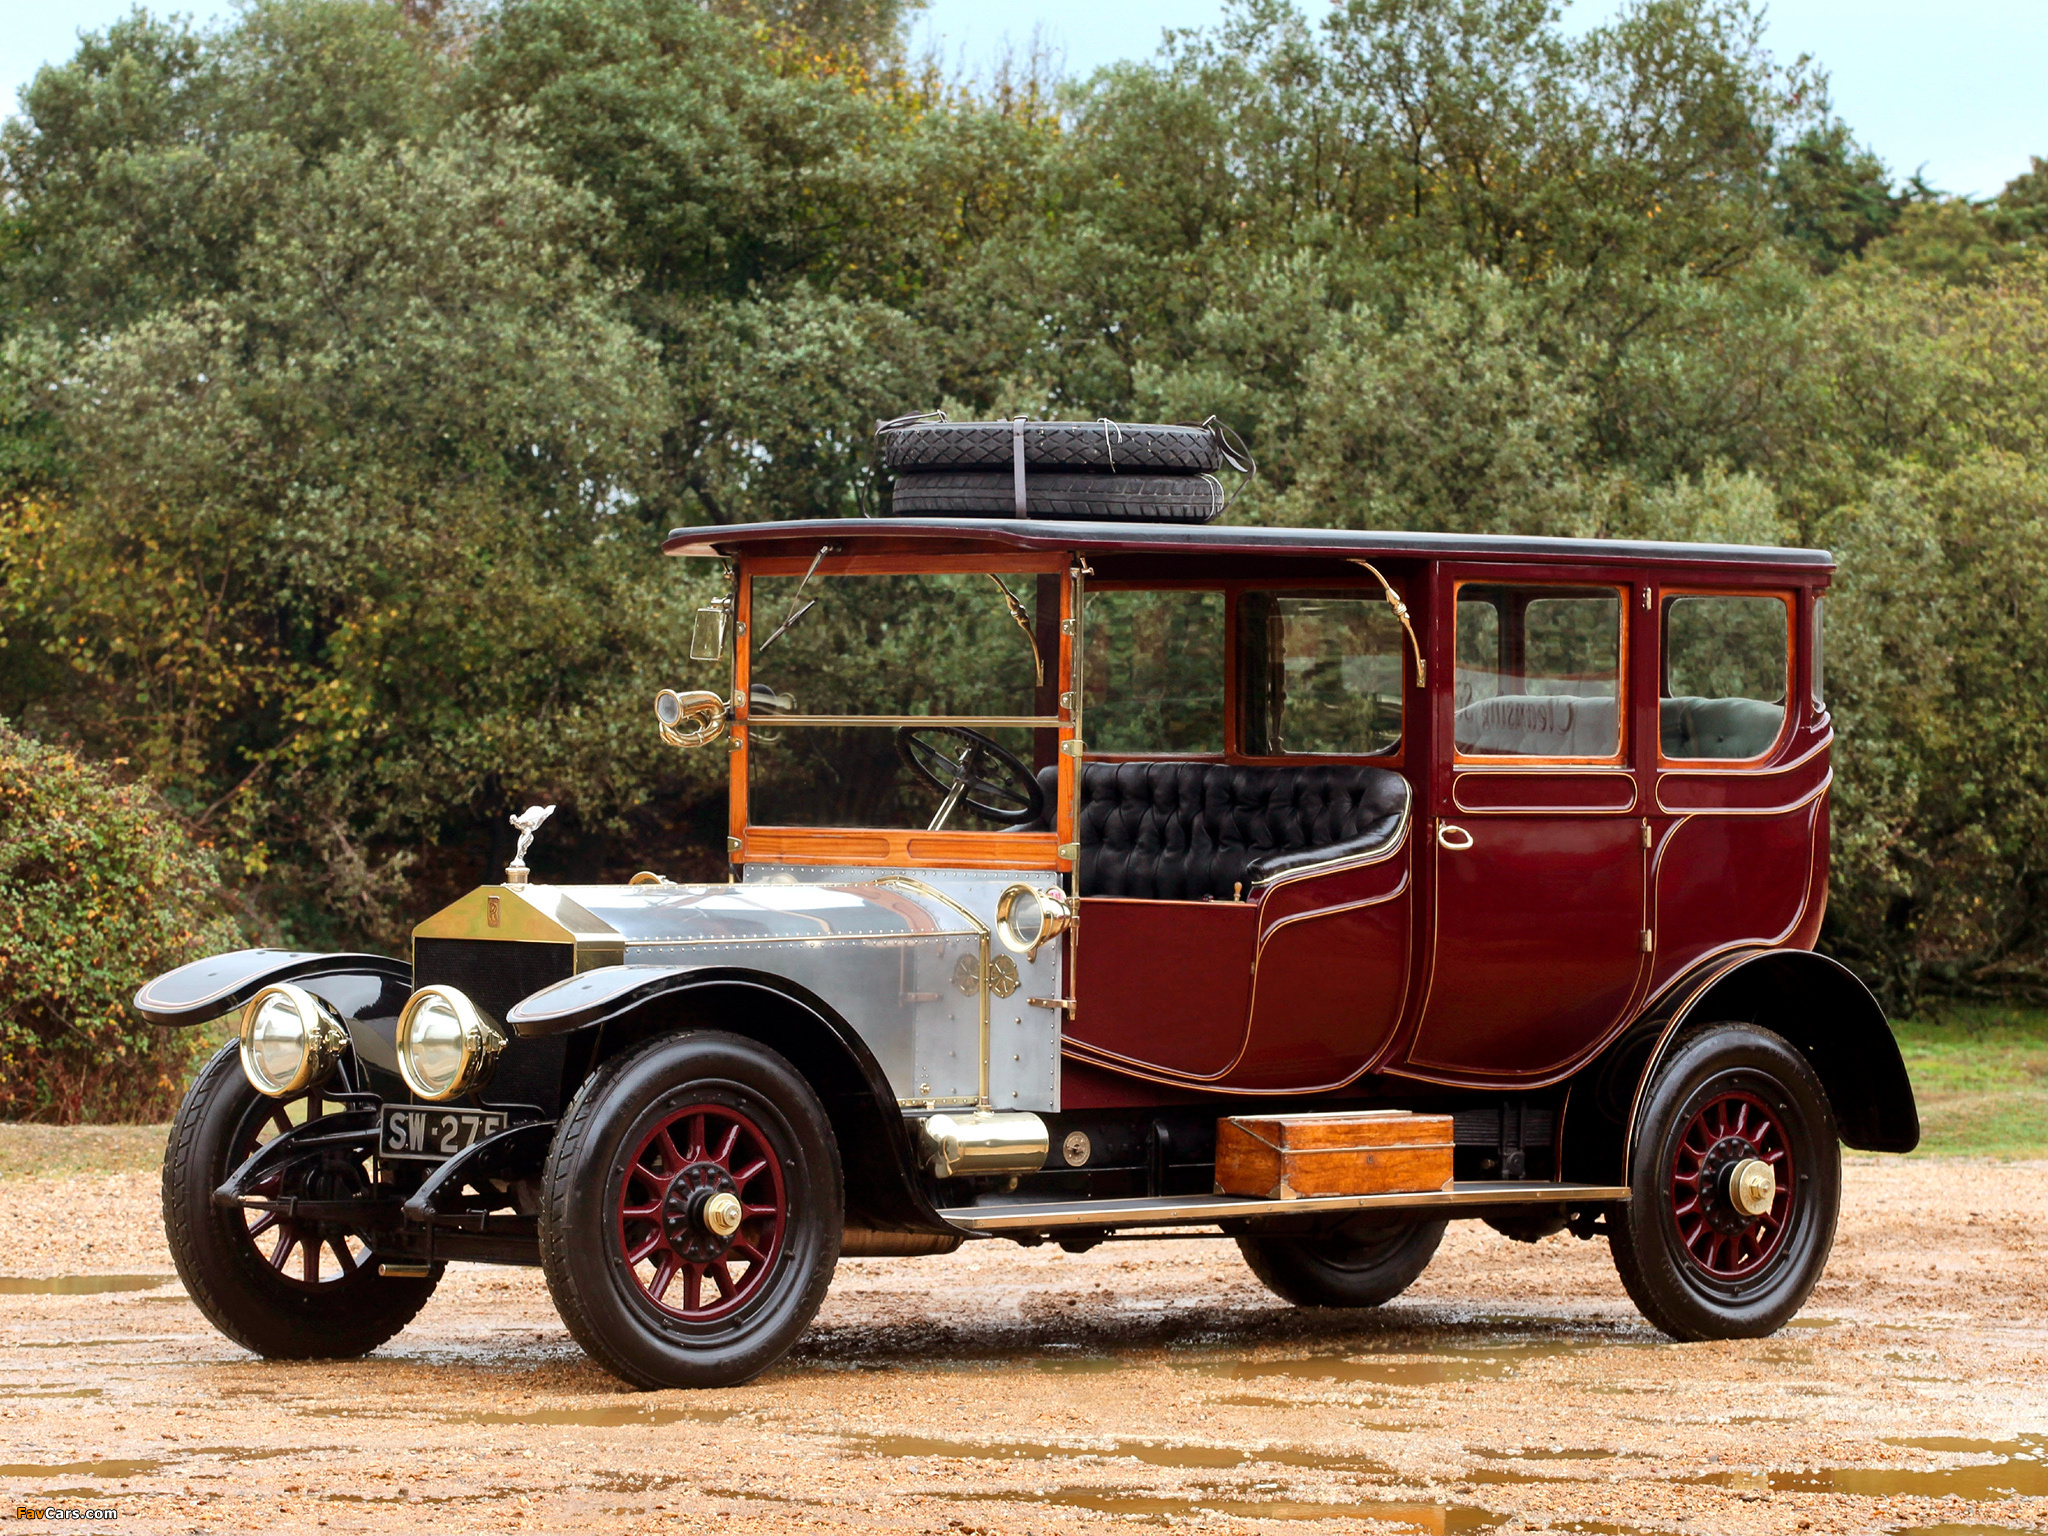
(1182, 831)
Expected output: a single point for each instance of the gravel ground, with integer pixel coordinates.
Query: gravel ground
(1004, 1390)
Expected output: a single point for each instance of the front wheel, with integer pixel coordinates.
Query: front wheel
(283, 1286)
(692, 1211)
(1358, 1263)
(1734, 1187)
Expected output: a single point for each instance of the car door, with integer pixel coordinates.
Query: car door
(1537, 841)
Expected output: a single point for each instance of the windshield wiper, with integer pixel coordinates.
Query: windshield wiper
(796, 612)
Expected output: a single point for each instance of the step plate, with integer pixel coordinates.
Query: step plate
(1200, 1210)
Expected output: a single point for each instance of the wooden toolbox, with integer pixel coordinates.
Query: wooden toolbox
(1373, 1152)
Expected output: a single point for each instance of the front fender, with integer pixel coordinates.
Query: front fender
(620, 1005)
(357, 985)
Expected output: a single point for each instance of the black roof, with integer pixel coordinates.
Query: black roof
(957, 535)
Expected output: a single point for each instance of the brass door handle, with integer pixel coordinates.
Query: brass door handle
(1457, 839)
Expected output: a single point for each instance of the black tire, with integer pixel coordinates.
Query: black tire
(1692, 1263)
(220, 1254)
(1079, 445)
(1061, 497)
(1362, 1263)
(602, 1156)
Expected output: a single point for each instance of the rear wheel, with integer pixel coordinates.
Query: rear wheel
(1734, 1189)
(286, 1288)
(1360, 1263)
(692, 1211)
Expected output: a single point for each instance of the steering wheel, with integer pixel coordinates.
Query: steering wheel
(1011, 796)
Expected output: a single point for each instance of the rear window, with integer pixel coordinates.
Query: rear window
(1726, 661)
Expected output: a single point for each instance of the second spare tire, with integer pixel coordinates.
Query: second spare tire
(1086, 498)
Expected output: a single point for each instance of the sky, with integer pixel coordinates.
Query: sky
(1955, 90)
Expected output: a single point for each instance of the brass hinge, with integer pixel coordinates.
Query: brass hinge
(1647, 839)
(1647, 942)
(1064, 1004)
(732, 845)
(1072, 746)
(1070, 852)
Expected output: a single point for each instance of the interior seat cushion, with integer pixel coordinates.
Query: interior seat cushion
(1180, 831)
(1723, 728)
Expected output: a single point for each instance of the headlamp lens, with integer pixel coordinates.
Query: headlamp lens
(435, 1045)
(276, 1045)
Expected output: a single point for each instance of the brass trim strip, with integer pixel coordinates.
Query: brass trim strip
(1176, 1210)
(1021, 722)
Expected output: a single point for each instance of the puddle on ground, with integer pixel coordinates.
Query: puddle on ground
(611, 1416)
(1431, 1519)
(1152, 1453)
(598, 1418)
(1400, 1368)
(80, 1468)
(1814, 1322)
(30, 1394)
(2019, 1470)
(81, 1285)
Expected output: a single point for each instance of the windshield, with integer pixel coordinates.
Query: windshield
(907, 702)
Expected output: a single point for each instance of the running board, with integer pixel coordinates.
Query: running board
(1200, 1210)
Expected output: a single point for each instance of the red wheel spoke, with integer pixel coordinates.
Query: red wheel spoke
(259, 1228)
(343, 1257)
(701, 1150)
(664, 1272)
(1733, 1127)
(311, 1249)
(287, 1239)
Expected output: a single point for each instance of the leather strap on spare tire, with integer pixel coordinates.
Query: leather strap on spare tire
(1106, 447)
(1084, 498)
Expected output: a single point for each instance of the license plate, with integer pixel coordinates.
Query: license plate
(435, 1134)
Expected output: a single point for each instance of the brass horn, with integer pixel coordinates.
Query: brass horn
(693, 719)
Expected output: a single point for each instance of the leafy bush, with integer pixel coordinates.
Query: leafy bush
(100, 889)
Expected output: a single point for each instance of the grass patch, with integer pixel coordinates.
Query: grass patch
(51, 1151)
(1980, 1074)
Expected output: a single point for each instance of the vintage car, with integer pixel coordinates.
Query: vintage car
(1087, 878)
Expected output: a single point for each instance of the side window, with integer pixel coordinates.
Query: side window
(1152, 678)
(1726, 661)
(1538, 671)
(1319, 672)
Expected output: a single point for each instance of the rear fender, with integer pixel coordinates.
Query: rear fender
(616, 1007)
(1814, 1002)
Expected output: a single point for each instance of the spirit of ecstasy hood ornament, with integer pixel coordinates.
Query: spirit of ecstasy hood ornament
(528, 822)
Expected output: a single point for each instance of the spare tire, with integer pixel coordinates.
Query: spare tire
(1111, 447)
(1086, 498)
